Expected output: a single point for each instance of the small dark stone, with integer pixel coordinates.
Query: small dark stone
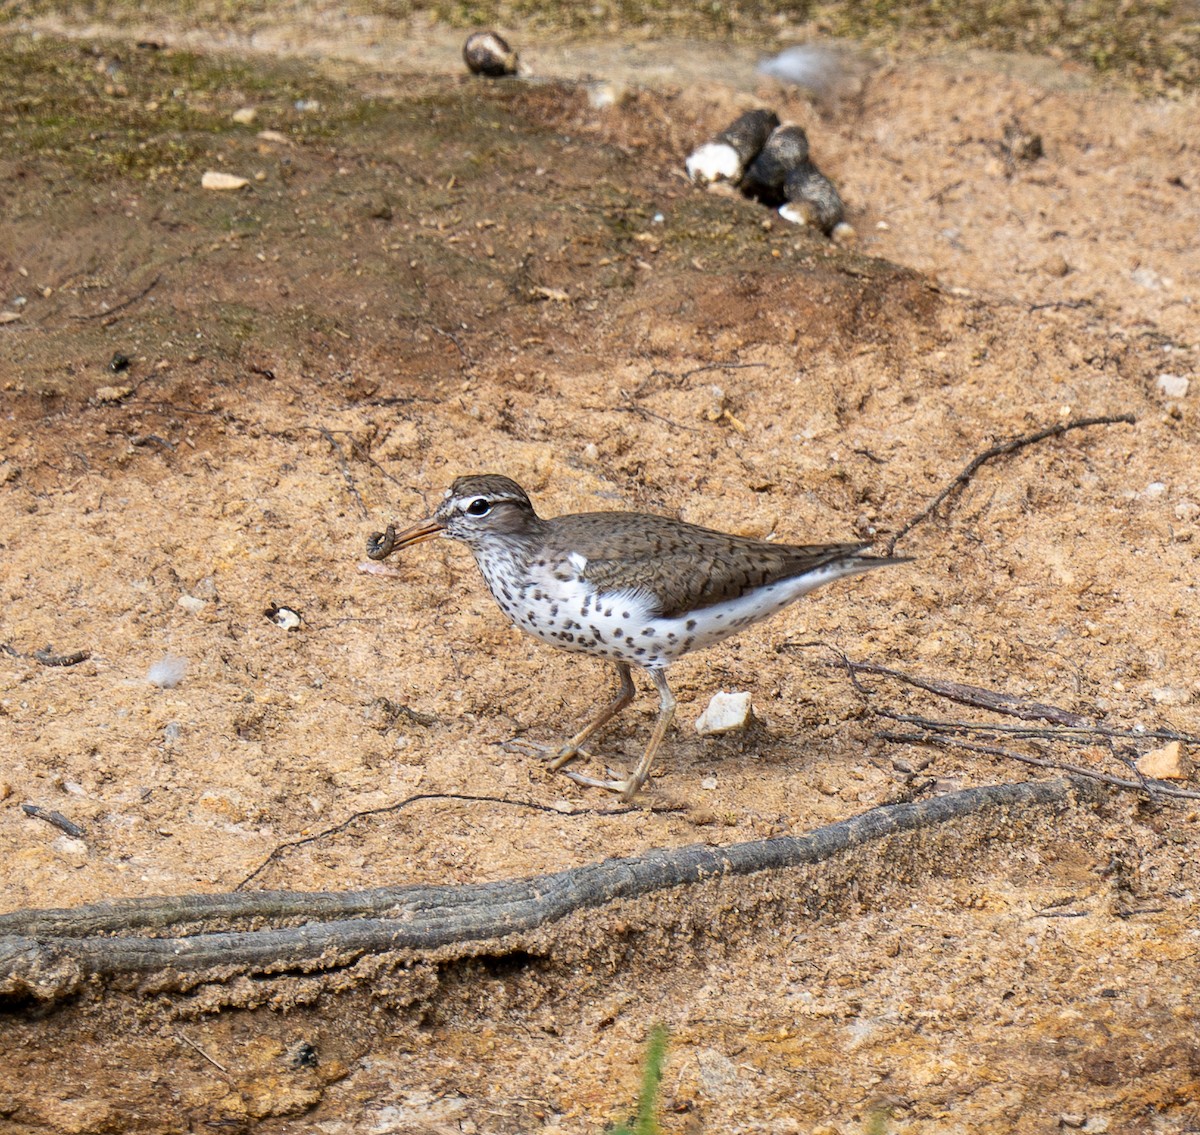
(812, 199)
(748, 133)
(305, 1056)
(119, 362)
(786, 149)
(486, 53)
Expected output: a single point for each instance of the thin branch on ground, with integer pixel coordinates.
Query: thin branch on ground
(1071, 727)
(641, 411)
(1155, 789)
(57, 819)
(461, 796)
(1000, 450)
(197, 1049)
(656, 373)
(976, 696)
(344, 465)
(466, 357)
(1071, 734)
(128, 302)
(48, 657)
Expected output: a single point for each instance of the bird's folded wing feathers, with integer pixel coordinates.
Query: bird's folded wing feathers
(676, 580)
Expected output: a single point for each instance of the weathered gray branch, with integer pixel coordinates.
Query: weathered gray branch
(50, 953)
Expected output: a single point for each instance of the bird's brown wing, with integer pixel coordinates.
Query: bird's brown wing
(682, 567)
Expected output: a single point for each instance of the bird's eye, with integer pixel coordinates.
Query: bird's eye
(479, 507)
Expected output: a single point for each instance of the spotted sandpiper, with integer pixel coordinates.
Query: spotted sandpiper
(629, 587)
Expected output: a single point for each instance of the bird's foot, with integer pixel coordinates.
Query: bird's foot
(625, 788)
(555, 755)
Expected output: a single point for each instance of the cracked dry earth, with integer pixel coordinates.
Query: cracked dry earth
(427, 276)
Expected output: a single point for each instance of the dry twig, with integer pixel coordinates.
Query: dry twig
(344, 465)
(56, 818)
(998, 451)
(128, 302)
(48, 657)
(401, 805)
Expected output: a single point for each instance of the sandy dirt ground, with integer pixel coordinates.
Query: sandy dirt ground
(210, 399)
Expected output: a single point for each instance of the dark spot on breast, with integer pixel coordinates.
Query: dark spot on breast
(554, 609)
(691, 624)
(640, 651)
(624, 614)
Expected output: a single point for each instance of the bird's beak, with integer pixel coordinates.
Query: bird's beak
(383, 544)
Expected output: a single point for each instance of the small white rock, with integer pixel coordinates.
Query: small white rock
(601, 94)
(1154, 490)
(112, 394)
(168, 672)
(714, 161)
(709, 783)
(73, 849)
(390, 571)
(244, 115)
(1170, 695)
(286, 618)
(191, 604)
(1172, 385)
(724, 714)
(1187, 510)
(216, 180)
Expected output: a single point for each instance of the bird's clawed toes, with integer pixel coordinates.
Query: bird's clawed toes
(555, 756)
(626, 788)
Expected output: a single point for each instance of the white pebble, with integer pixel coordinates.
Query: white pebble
(168, 672)
(1172, 385)
(601, 94)
(1154, 490)
(724, 713)
(714, 161)
(1171, 695)
(191, 604)
(370, 567)
(215, 180)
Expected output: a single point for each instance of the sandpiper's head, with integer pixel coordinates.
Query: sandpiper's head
(482, 507)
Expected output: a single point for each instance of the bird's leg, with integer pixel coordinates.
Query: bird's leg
(573, 747)
(629, 788)
(666, 711)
